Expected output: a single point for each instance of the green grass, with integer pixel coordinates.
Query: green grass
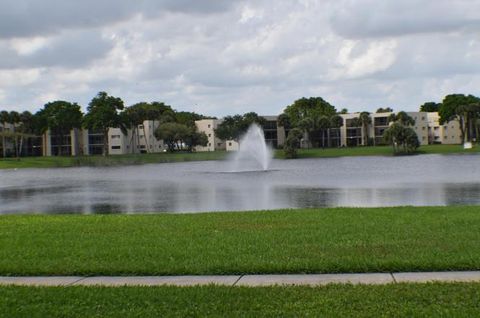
(285, 241)
(377, 151)
(114, 160)
(399, 300)
(117, 160)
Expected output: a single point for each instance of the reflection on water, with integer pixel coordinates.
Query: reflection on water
(204, 186)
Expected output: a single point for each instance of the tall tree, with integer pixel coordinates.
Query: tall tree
(336, 121)
(14, 118)
(292, 143)
(283, 121)
(177, 135)
(141, 112)
(312, 107)
(4, 120)
(365, 120)
(323, 125)
(25, 129)
(457, 107)
(430, 107)
(403, 139)
(233, 127)
(60, 117)
(384, 110)
(102, 114)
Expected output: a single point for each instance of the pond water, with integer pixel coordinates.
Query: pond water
(209, 186)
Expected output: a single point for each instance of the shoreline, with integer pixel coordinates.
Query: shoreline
(139, 159)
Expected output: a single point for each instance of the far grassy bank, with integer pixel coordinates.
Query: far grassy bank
(399, 300)
(378, 151)
(113, 160)
(283, 241)
(135, 159)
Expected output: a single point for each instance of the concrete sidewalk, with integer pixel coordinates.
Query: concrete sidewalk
(245, 280)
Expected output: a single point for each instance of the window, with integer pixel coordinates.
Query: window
(209, 125)
(140, 126)
(115, 136)
(209, 144)
(116, 147)
(229, 144)
(209, 135)
(423, 118)
(142, 146)
(423, 128)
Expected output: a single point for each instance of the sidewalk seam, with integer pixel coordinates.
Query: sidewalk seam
(241, 276)
(393, 277)
(77, 281)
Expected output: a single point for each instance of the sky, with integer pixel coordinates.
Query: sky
(223, 57)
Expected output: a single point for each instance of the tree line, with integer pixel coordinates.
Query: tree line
(103, 112)
(464, 108)
(312, 120)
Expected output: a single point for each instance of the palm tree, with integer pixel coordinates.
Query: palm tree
(26, 130)
(14, 120)
(404, 119)
(4, 119)
(307, 125)
(336, 121)
(323, 124)
(365, 120)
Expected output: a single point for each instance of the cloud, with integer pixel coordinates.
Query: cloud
(26, 18)
(370, 18)
(67, 50)
(225, 57)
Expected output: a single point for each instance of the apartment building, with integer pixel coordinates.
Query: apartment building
(449, 133)
(208, 126)
(141, 139)
(352, 133)
(31, 146)
(274, 135)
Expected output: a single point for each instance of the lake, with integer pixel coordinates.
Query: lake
(209, 186)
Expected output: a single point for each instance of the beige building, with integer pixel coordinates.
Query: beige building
(352, 133)
(274, 135)
(139, 140)
(232, 145)
(449, 133)
(208, 126)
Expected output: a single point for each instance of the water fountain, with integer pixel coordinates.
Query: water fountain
(254, 153)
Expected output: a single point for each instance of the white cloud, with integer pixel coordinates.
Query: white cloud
(225, 57)
(377, 56)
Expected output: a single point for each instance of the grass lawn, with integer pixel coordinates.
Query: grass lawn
(284, 241)
(402, 300)
(131, 159)
(53, 162)
(377, 151)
